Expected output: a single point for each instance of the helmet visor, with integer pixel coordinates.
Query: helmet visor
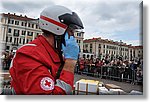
(75, 28)
(71, 20)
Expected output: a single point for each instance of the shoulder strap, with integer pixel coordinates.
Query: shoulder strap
(60, 67)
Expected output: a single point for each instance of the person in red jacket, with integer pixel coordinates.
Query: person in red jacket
(46, 65)
(82, 64)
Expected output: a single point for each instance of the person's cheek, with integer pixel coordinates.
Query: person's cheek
(71, 33)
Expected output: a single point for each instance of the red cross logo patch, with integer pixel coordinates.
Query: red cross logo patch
(47, 84)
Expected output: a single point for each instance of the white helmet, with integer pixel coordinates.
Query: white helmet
(56, 19)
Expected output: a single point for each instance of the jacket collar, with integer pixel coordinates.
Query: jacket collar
(51, 51)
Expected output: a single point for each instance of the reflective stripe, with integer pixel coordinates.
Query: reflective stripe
(12, 89)
(53, 22)
(66, 87)
(11, 64)
(27, 45)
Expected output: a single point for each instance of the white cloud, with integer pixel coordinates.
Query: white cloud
(133, 42)
(100, 17)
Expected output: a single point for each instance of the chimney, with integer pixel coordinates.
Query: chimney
(20, 15)
(14, 13)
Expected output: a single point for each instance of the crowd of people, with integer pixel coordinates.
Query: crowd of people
(6, 58)
(116, 69)
(122, 70)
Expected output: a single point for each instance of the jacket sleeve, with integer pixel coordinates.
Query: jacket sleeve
(34, 78)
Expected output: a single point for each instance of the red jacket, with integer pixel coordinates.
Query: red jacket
(82, 64)
(34, 68)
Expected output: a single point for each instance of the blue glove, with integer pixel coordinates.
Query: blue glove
(71, 50)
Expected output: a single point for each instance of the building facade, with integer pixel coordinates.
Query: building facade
(79, 38)
(104, 48)
(18, 30)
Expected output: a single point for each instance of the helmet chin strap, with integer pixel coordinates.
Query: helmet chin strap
(59, 40)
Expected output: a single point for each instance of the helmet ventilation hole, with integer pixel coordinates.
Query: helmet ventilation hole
(57, 28)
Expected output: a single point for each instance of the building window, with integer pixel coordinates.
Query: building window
(78, 41)
(103, 51)
(99, 52)
(7, 47)
(90, 45)
(37, 26)
(28, 24)
(126, 49)
(17, 40)
(22, 24)
(90, 50)
(78, 34)
(32, 25)
(86, 45)
(30, 33)
(16, 32)
(104, 46)
(10, 21)
(16, 22)
(27, 40)
(107, 46)
(20, 41)
(14, 40)
(25, 24)
(23, 32)
(99, 46)
(6, 38)
(106, 51)
(23, 41)
(9, 30)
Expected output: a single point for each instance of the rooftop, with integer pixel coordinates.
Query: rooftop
(110, 42)
(18, 17)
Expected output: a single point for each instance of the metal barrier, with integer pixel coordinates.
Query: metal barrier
(113, 73)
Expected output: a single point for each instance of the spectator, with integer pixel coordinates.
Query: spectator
(98, 65)
(82, 63)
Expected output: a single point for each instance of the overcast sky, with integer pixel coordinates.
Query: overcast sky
(108, 19)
